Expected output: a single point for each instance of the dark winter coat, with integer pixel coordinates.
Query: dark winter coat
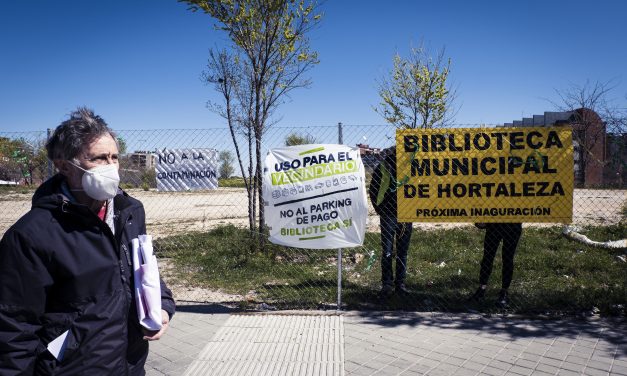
(62, 268)
(382, 189)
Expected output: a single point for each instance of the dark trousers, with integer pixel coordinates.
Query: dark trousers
(509, 233)
(393, 232)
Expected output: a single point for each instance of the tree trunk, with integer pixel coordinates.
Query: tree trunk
(251, 192)
(258, 182)
(251, 222)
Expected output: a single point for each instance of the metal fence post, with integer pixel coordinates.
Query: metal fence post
(339, 278)
(48, 134)
(340, 137)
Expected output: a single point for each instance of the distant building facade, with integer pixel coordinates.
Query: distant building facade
(369, 156)
(615, 172)
(593, 165)
(143, 160)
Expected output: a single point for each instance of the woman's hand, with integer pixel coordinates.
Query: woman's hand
(154, 335)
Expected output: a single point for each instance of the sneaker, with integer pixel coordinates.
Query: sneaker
(402, 289)
(387, 291)
(479, 295)
(503, 300)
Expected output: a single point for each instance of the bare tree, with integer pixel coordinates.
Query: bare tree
(615, 117)
(272, 55)
(593, 114)
(229, 79)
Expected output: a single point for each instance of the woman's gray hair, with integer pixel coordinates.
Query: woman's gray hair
(71, 136)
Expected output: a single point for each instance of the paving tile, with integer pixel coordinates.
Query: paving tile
(545, 341)
(436, 356)
(500, 365)
(506, 357)
(526, 363)
(594, 372)
(547, 368)
(621, 363)
(550, 354)
(575, 360)
(481, 359)
(402, 363)
(572, 367)
(520, 371)
(415, 344)
(375, 365)
(605, 358)
(455, 361)
(439, 372)
(411, 373)
(384, 358)
(518, 348)
(465, 372)
(537, 349)
(419, 368)
(389, 370)
(530, 357)
(467, 352)
(473, 366)
(618, 370)
(492, 371)
(565, 372)
(361, 371)
(429, 363)
(601, 366)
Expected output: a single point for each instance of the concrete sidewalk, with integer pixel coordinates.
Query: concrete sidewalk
(213, 340)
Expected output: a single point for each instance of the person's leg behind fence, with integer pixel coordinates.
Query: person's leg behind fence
(403, 238)
(511, 236)
(491, 240)
(388, 226)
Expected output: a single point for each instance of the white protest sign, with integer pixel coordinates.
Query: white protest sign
(315, 196)
(186, 169)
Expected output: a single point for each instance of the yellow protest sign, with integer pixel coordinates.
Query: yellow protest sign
(522, 174)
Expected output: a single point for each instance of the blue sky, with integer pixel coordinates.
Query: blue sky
(138, 62)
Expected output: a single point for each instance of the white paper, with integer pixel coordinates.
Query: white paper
(57, 346)
(145, 242)
(147, 283)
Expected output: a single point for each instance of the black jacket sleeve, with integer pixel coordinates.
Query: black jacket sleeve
(23, 282)
(373, 188)
(167, 301)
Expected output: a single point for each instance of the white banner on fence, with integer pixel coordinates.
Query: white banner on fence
(186, 169)
(315, 196)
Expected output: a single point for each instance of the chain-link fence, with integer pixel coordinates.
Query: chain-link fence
(208, 253)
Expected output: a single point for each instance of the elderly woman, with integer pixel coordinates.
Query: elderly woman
(65, 268)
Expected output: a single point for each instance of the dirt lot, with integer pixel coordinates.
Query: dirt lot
(175, 213)
(170, 213)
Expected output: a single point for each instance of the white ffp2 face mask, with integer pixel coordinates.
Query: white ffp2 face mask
(100, 183)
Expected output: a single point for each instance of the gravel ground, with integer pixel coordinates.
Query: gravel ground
(172, 213)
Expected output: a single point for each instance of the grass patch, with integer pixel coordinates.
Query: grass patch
(552, 274)
(232, 183)
(17, 189)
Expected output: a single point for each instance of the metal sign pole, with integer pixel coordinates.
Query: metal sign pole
(339, 279)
